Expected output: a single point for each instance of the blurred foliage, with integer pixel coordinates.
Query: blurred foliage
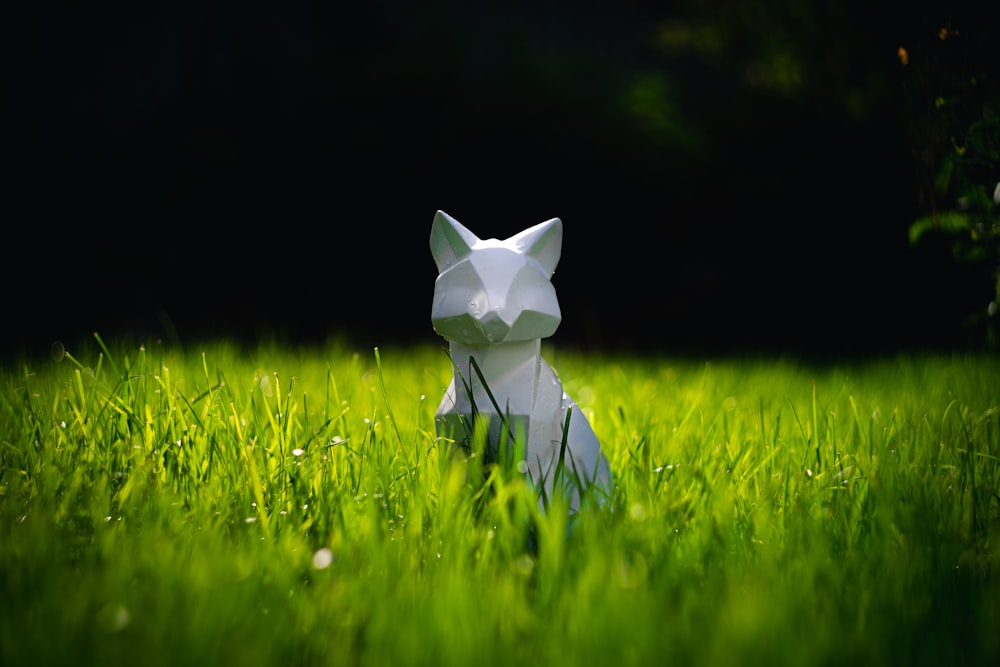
(951, 92)
(795, 50)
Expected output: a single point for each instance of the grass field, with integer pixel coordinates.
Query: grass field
(279, 506)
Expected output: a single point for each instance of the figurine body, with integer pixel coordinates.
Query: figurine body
(494, 302)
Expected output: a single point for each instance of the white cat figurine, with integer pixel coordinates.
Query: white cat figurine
(494, 302)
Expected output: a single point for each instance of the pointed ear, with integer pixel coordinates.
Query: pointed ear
(450, 241)
(542, 242)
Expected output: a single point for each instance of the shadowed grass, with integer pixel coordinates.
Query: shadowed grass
(280, 506)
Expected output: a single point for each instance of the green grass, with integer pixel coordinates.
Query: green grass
(292, 506)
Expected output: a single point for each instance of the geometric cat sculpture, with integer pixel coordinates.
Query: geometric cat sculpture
(494, 302)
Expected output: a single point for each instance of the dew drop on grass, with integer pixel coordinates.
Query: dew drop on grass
(523, 565)
(113, 617)
(58, 351)
(264, 382)
(322, 559)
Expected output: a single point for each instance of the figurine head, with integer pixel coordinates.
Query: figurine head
(490, 291)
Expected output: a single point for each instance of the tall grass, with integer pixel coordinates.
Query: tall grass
(294, 507)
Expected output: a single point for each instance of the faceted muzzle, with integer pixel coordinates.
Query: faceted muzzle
(494, 327)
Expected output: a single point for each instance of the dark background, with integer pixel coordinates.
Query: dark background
(732, 176)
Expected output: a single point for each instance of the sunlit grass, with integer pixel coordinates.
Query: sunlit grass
(292, 506)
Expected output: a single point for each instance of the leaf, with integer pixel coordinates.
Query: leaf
(949, 222)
